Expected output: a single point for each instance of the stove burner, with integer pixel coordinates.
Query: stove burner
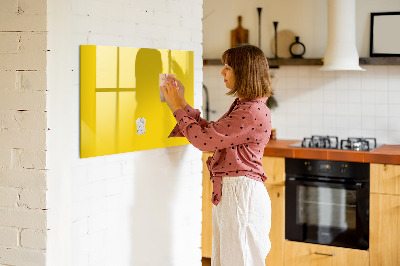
(332, 142)
(327, 142)
(358, 144)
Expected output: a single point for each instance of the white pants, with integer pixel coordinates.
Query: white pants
(241, 223)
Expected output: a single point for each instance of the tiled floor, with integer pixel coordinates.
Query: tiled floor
(206, 261)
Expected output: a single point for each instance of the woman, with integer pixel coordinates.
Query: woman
(242, 211)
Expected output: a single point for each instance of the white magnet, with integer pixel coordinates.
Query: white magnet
(141, 126)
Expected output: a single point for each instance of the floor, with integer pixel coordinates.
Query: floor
(206, 261)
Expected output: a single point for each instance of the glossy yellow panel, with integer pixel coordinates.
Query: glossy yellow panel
(119, 85)
(127, 121)
(106, 67)
(106, 122)
(88, 100)
(127, 77)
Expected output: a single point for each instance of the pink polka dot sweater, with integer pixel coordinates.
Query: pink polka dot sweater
(238, 139)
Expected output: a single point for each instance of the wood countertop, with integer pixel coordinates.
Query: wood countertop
(387, 154)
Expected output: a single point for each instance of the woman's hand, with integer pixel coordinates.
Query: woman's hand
(174, 94)
(181, 92)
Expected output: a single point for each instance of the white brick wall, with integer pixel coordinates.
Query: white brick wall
(140, 208)
(33, 239)
(23, 132)
(100, 208)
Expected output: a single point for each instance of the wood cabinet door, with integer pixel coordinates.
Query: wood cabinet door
(304, 254)
(277, 233)
(274, 168)
(206, 225)
(385, 178)
(384, 236)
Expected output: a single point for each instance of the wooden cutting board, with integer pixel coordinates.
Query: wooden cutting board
(239, 35)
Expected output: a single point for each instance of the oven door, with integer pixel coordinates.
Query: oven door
(327, 213)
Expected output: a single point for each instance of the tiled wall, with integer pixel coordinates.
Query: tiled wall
(313, 102)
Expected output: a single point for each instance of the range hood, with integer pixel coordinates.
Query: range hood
(341, 51)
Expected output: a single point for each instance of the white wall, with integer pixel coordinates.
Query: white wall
(140, 208)
(311, 102)
(306, 19)
(23, 133)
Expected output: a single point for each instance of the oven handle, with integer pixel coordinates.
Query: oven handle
(357, 185)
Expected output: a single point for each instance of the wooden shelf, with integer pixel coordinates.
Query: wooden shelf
(380, 61)
(274, 63)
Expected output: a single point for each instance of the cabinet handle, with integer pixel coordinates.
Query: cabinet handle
(324, 254)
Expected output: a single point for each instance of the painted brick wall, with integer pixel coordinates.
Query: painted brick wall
(23, 132)
(140, 208)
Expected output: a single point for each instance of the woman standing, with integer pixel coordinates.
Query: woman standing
(242, 208)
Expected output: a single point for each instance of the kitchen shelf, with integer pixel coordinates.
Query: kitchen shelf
(380, 61)
(274, 63)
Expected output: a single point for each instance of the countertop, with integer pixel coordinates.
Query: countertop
(389, 154)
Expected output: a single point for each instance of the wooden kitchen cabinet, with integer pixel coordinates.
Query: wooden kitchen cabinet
(385, 178)
(305, 254)
(385, 215)
(274, 168)
(277, 233)
(384, 236)
(206, 225)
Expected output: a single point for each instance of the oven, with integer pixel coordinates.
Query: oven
(327, 202)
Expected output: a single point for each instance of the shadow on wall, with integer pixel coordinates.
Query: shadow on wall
(148, 66)
(156, 177)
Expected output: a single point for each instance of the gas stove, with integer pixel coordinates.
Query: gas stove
(332, 142)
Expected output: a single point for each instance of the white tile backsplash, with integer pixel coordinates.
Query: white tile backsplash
(394, 97)
(394, 110)
(343, 103)
(394, 124)
(367, 97)
(381, 83)
(381, 97)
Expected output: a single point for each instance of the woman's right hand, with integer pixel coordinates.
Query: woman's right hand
(181, 91)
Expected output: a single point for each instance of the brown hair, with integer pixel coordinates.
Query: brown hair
(250, 66)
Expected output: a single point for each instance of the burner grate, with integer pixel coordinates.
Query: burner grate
(358, 144)
(332, 142)
(327, 142)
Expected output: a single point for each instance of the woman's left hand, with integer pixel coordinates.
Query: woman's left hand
(171, 96)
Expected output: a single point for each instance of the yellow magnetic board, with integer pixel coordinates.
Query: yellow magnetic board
(119, 85)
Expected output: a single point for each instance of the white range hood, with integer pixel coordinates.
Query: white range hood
(341, 51)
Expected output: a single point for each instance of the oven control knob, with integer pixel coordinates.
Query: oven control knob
(308, 166)
(343, 168)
